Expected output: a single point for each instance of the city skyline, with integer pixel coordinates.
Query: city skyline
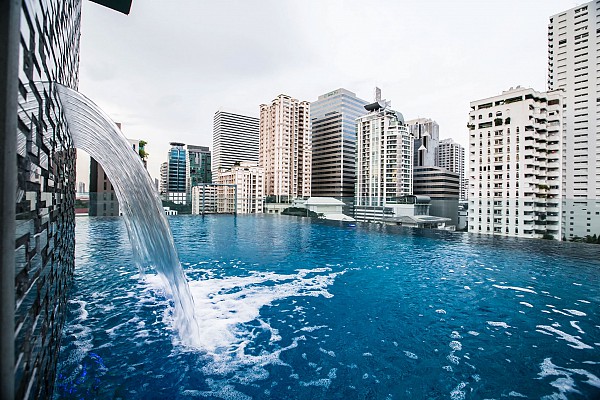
(165, 81)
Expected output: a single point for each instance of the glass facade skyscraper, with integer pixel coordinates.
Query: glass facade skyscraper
(177, 172)
(333, 118)
(199, 160)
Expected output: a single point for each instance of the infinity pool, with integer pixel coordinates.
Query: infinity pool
(291, 309)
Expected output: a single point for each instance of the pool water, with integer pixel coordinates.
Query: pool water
(294, 309)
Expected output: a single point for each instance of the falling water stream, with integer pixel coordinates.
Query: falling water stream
(95, 133)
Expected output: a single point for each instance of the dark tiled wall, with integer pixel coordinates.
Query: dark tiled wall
(45, 219)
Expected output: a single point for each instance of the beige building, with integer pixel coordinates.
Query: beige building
(285, 148)
(247, 196)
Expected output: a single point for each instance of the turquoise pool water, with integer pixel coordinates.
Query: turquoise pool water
(291, 309)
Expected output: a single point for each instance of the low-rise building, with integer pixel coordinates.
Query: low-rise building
(248, 181)
(327, 208)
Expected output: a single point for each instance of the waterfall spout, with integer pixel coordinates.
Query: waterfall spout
(95, 133)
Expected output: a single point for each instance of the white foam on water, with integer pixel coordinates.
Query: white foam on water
(453, 359)
(499, 324)
(328, 352)
(440, 311)
(228, 311)
(323, 382)
(83, 314)
(576, 313)
(573, 341)
(565, 383)
(411, 355)
(526, 304)
(455, 335)
(577, 284)
(455, 345)
(512, 393)
(473, 333)
(367, 355)
(574, 325)
(584, 301)
(516, 288)
(312, 328)
(458, 393)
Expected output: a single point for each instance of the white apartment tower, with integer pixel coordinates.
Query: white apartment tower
(573, 53)
(451, 156)
(249, 181)
(285, 148)
(515, 144)
(384, 163)
(235, 139)
(164, 178)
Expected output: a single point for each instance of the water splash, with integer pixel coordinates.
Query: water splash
(95, 133)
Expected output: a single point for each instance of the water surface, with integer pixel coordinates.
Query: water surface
(291, 309)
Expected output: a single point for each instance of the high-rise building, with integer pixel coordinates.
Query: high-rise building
(164, 178)
(426, 133)
(451, 156)
(249, 181)
(442, 187)
(285, 148)
(573, 50)
(200, 164)
(177, 174)
(384, 166)
(235, 139)
(103, 199)
(333, 118)
(514, 164)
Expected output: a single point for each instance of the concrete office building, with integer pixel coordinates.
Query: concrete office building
(333, 118)
(204, 199)
(164, 178)
(514, 164)
(384, 165)
(442, 187)
(248, 179)
(451, 156)
(426, 133)
(235, 139)
(103, 199)
(285, 148)
(573, 51)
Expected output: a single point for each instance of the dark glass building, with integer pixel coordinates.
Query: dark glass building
(200, 165)
(333, 118)
(177, 172)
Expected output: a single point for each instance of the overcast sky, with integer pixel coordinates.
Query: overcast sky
(164, 70)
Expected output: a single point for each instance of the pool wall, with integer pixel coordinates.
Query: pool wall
(39, 41)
